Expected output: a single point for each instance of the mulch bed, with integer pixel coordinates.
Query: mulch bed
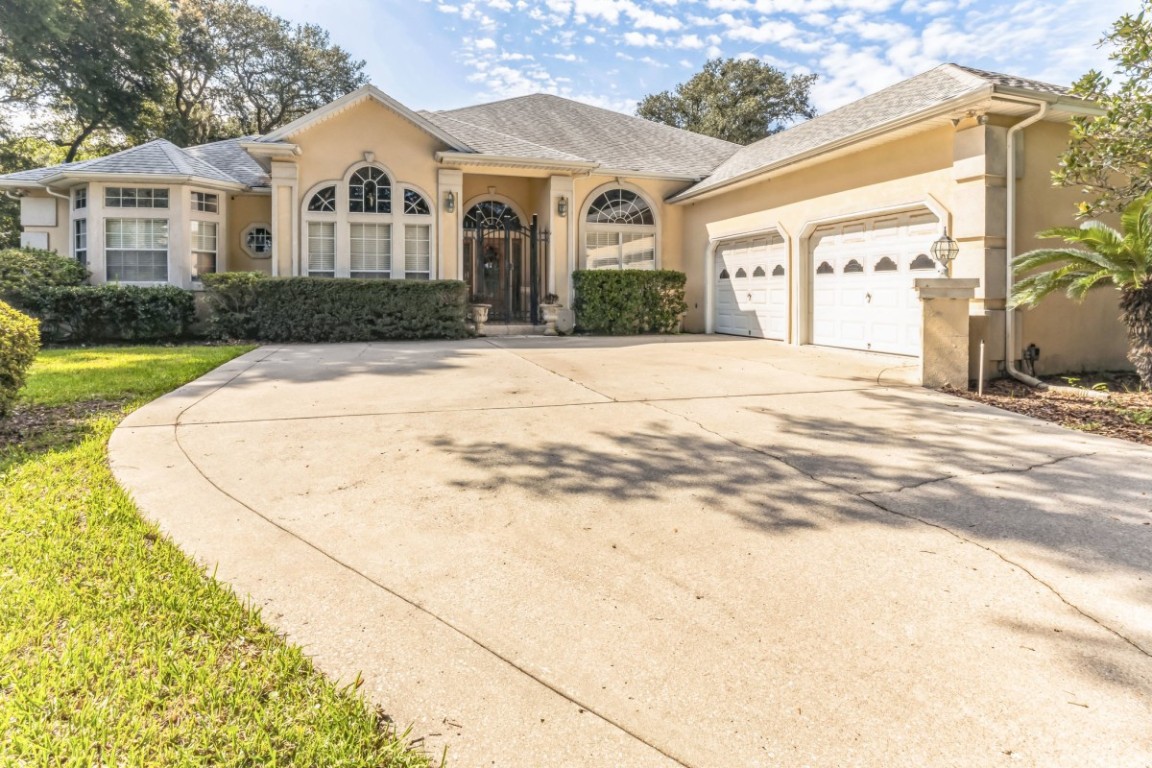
(37, 427)
(1126, 414)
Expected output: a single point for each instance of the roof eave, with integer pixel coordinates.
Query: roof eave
(602, 171)
(936, 110)
(271, 149)
(1063, 102)
(476, 158)
(146, 178)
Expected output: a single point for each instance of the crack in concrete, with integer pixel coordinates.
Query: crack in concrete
(947, 478)
(955, 534)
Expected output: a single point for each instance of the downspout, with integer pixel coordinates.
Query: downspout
(1009, 280)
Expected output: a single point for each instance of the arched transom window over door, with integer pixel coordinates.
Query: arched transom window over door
(619, 232)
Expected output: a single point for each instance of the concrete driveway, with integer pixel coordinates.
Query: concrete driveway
(688, 551)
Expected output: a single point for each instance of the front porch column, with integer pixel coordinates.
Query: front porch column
(562, 229)
(944, 337)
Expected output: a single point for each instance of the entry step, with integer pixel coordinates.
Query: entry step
(513, 329)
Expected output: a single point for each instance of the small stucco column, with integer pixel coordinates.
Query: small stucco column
(944, 341)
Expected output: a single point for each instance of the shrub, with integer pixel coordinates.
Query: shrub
(629, 301)
(27, 270)
(307, 309)
(231, 300)
(19, 342)
(112, 312)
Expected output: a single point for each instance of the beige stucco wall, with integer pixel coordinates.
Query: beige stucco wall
(1071, 336)
(244, 211)
(899, 173)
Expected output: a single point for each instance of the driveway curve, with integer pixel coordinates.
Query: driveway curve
(676, 551)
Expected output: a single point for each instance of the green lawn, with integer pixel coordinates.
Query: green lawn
(115, 649)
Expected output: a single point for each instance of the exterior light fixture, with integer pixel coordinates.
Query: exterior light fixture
(562, 207)
(450, 202)
(944, 250)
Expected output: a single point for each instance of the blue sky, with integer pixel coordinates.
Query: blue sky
(439, 54)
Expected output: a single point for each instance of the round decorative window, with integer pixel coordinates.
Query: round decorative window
(256, 241)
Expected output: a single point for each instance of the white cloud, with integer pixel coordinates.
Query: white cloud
(641, 40)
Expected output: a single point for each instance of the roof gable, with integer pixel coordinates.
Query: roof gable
(357, 96)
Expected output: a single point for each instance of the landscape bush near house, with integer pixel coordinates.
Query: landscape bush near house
(628, 301)
(87, 313)
(19, 343)
(306, 309)
(28, 270)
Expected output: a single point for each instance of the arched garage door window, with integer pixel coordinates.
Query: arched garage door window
(619, 232)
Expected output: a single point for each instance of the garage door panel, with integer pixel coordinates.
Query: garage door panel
(862, 281)
(752, 305)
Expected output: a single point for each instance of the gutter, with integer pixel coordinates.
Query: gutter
(467, 158)
(1010, 278)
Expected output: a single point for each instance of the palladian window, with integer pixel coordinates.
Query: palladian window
(619, 232)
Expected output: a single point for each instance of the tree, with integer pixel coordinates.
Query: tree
(97, 63)
(739, 100)
(1122, 258)
(1108, 155)
(238, 69)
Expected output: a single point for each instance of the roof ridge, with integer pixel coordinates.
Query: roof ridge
(961, 73)
(247, 137)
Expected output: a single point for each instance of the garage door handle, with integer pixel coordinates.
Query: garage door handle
(868, 298)
(749, 297)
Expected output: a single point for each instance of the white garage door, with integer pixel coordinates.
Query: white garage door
(752, 288)
(862, 273)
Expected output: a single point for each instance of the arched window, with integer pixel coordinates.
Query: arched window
(885, 265)
(369, 191)
(324, 201)
(490, 215)
(759, 272)
(824, 269)
(724, 274)
(740, 272)
(619, 232)
(778, 270)
(853, 266)
(350, 228)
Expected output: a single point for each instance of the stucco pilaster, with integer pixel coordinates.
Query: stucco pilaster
(561, 248)
(449, 181)
(944, 352)
(285, 229)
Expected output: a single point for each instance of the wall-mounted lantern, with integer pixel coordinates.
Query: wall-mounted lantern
(562, 207)
(450, 202)
(944, 250)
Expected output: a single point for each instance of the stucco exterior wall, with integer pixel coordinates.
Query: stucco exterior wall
(899, 173)
(1071, 336)
(243, 212)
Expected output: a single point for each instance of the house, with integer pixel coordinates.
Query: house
(815, 235)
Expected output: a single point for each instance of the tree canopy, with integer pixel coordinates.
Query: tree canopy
(1109, 155)
(738, 100)
(99, 74)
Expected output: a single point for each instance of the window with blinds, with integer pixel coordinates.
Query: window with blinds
(136, 250)
(371, 247)
(204, 248)
(322, 249)
(417, 251)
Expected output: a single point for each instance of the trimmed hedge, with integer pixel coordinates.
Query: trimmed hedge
(628, 301)
(309, 309)
(19, 343)
(28, 270)
(112, 312)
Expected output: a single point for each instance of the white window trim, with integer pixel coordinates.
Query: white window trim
(200, 215)
(586, 228)
(173, 198)
(192, 250)
(107, 250)
(344, 219)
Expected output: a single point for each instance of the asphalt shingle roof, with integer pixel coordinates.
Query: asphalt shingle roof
(230, 157)
(156, 158)
(614, 140)
(904, 99)
(490, 142)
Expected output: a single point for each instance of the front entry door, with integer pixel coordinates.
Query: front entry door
(504, 263)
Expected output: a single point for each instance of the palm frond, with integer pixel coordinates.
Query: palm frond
(1026, 262)
(1080, 286)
